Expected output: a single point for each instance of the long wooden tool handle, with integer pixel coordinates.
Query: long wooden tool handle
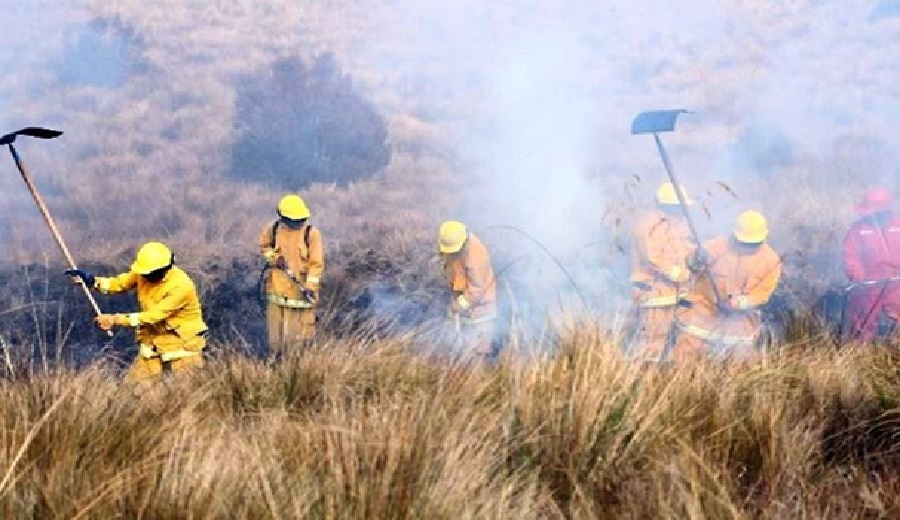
(53, 229)
(687, 215)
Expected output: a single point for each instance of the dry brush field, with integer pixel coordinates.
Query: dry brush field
(366, 425)
(364, 429)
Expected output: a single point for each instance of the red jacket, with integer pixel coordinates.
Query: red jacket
(872, 253)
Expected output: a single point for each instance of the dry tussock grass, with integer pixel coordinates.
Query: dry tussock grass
(366, 429)
(362, 428)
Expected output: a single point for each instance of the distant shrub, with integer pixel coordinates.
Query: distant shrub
(103, 53)
(297, 124)
(762, 150)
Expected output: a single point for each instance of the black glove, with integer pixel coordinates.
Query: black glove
(697, 261)
(88, 278)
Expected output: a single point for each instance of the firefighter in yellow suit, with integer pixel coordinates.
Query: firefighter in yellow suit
(659, 273)
(746, 271)
(473, 307)
(295, 260)
(170, 330)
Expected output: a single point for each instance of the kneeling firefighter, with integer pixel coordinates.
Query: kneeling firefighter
(872, 262)
(295, 261)
(746, 271)
(473, 307)
(169, 325)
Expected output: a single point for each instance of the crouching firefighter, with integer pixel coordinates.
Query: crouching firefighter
(473, 305)
(295, 261)
(872, 262)
(659, 273)
(170, 330)
(746, 271)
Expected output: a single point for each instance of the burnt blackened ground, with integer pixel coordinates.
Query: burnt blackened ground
(360, 290)
(43, 316)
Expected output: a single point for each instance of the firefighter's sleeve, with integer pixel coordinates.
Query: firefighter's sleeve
(765, 285)
(265, 245)
(117, 284)
(316, 260)
(479, 277)
(447, 268)
(852, 262)
(173, 301)
(652, 248)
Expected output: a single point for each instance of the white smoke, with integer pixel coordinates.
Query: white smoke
(795, 103)
(539, 97)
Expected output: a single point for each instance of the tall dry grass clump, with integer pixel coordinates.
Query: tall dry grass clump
(370, 429)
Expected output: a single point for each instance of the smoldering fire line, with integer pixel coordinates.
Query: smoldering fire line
(550, 255)
(538, 101)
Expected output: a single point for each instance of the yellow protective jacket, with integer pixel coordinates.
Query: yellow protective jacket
(304, 255)
(745, 279)
(662, 244)
(169, 307)
(469, 274)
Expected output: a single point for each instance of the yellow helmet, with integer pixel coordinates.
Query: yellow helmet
(293, 207)
(452, 236)
(666, 195)
(751, 228)
(152, 256)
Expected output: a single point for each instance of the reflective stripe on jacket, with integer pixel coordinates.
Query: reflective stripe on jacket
(290, 303)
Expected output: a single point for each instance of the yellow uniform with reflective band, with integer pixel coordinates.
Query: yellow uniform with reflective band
(747, 279)
(659, 276)
(471, 278)
(290, 317)
(659, 270)
(169, 326)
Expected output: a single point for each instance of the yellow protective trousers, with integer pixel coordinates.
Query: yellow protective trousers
(652, 331)
(735, 337)
(475, 338)
(166, 353)
(289, 328)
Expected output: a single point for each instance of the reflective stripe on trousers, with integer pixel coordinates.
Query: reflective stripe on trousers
(716, 337)
(660, 301)
(289, 328)
(149, 352)
(475, 321)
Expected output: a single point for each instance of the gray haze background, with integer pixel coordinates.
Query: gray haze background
(796, 104)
